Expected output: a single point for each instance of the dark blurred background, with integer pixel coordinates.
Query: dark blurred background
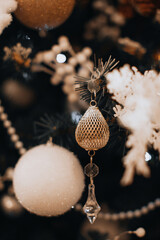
(50, 99)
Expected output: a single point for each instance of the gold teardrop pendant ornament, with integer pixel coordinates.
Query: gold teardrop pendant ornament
(92, 133)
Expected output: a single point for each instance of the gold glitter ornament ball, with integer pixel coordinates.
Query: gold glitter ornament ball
(92, 132)
(43, 14)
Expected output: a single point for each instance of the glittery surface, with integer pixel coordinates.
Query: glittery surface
(44, 14)
(48, 180)
(92, 132)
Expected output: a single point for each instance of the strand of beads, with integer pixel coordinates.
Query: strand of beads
(11, 131)
(126, 215)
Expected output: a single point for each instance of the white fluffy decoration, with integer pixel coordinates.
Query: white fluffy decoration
(48, 180)
(139, 111)
(6, 7)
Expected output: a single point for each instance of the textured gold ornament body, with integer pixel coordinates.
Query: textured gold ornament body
(92, 132)
(43, 14)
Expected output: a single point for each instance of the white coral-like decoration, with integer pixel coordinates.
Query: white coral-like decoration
(6, 7)
(138, 111)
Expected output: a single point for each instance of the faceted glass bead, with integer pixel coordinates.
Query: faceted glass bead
(91, 208)
(91, 170)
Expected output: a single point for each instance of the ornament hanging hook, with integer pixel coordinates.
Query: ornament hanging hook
(91, 153)
(93, 103)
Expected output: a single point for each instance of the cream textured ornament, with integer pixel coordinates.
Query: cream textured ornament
(48, 180)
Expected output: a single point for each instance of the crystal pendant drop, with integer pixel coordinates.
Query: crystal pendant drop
(91, 208)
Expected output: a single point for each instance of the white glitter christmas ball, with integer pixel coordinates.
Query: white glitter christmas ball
(48, 180)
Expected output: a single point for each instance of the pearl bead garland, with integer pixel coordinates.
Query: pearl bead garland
(11, 131)
(125, 215)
